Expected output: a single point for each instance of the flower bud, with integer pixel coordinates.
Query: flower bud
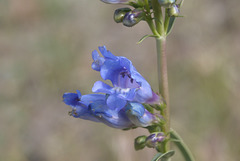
(166, 3)
(174, 11)
(140, 142)
(155, 138)
(133, 17)
(120, 13)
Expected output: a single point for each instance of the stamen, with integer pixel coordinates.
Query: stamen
(122, 74)
(74, 111)
(70, 113)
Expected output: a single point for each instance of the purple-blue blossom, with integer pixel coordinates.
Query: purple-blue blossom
(127, 83)
(93, 107)
(120, 105)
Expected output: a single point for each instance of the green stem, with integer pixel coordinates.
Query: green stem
(159, 31)
(153, 29)
(182, 146)
(158, 17)
(147, 6)
(167, 19)
(163, 84)
(149, 19)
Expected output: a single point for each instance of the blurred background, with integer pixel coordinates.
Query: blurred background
(45, 50)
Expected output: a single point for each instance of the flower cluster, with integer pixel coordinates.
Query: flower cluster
(120, 105)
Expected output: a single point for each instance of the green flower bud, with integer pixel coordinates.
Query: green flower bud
(133, 17)
(140, 142)
(166, 3)
(174, 11)
(120, 13)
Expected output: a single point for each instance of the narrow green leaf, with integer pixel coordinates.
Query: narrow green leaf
(144, 37)
(170, 25)
(181, 146)
(164, 156)
(180, 4)
(156, 157)
(174, 140)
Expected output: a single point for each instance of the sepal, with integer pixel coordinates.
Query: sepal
(174, 10)
(120, 13)
(139, 142)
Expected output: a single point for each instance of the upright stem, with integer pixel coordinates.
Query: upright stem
(159, 30)
(163, 83)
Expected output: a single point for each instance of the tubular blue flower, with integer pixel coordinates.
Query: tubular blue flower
(93, 107)
(127, 83)
(120, 105)
(80, 104)
(140, 116)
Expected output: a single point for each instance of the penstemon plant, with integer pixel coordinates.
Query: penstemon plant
(130, 101)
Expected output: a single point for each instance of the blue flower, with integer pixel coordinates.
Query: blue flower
(127, 83)
(80, 104)
(120, 105)
(93, 107)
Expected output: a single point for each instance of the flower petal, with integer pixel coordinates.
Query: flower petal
(102, 87)
(97, 61)
(79, 108)
(106, 53)
(97, 108)
(70, 99)
(125, 77)
(110, 117)
(115, 103)
(125, 94)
